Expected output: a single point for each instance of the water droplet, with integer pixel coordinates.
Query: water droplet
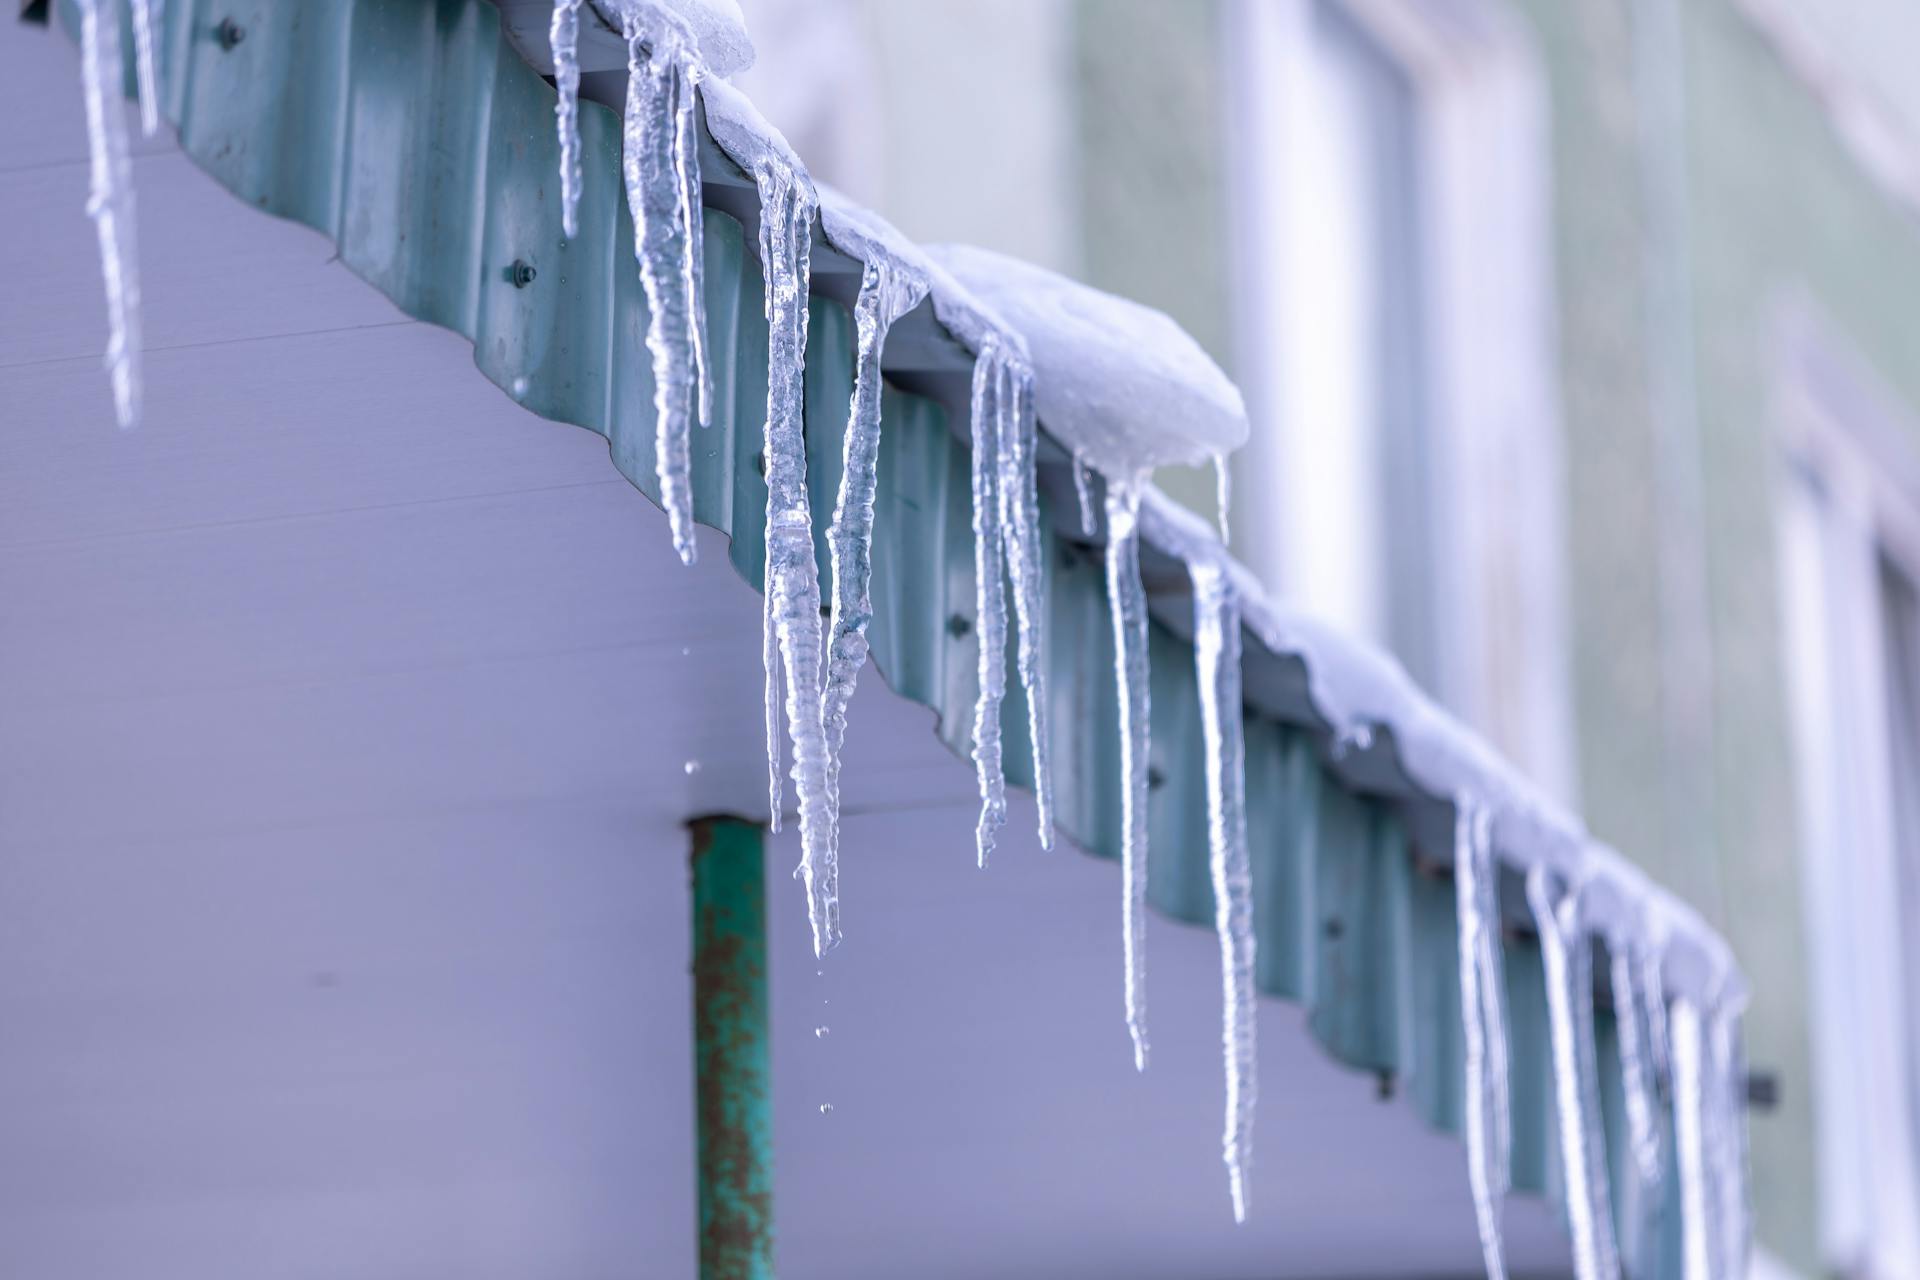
(519, 387)
(826, 1108)
(820, 1033)
(692, 767)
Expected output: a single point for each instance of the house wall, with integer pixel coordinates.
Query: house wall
(1703, 181)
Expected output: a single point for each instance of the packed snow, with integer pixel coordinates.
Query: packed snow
(718, 28)
(1117, 382)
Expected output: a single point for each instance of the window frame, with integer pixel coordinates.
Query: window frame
(1492, 484)
(1848, 501)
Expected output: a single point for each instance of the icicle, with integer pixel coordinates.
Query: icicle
(1689, 1097)
(1217, 655)
(885, 295)
(686, 167)
(1727, 1154)
(770, 664)
(1017, 482)
(1127, 604)
(1567, 958)
(1083, 490)
(990, 379)
(1653, 985)
(1636, 1076)
(146, 16)
(110, 201)
(563, 36)
(792, 577)
(1223, 495)
(1476, 904)
(661, 168)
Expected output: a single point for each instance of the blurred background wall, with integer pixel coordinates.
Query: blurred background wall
(1582, 339)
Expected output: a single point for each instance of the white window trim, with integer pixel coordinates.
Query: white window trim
(1848, 493)
(1489, 324)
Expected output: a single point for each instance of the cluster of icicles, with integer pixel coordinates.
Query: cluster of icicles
(1692, 1047)
(1697, 1050)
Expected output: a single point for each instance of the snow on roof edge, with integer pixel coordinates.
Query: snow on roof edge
(1352, 684)
(1355, 686)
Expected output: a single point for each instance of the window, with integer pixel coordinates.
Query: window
(1396, 339)
(1850, 560)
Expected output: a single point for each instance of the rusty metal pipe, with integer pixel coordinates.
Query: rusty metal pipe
(732, 1076)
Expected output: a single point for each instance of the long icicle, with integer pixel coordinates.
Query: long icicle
(146, 17)
(1473, 873)
(563, 37)
(886, 294)
(662, 73)
(1728, 1156)
(686, 171)
(770, 665)
(1566, 957)
(1630, 1000)
(110, 201)
(990, 608)
(1018, 484)
(1217, 657)
(787, 206)
(1127, 607)
(1689, 1096)
(1493, 1011)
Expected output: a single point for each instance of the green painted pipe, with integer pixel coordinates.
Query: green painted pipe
(732, 1079)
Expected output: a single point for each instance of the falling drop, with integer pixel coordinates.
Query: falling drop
(692, 767)
(826, 1108)
(820, 1033)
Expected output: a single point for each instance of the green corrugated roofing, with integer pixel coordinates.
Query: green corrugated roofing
(412, 134)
